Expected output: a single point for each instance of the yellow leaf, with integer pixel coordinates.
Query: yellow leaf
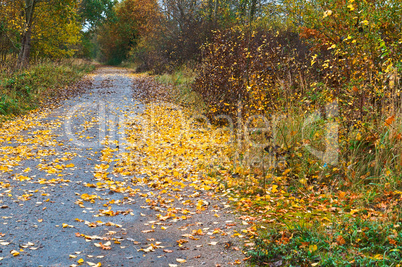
(327, 13)
(274, 188)
(14, 253)
(354, 211)
(312, 248)
(378, 257)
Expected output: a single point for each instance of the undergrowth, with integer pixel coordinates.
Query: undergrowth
(350, 243)
(24, 90)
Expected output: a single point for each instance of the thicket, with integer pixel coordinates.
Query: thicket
(161, 36)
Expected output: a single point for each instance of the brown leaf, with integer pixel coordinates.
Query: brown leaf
(182, 241)
(340, 240)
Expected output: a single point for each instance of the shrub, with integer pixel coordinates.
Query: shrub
(261, 69)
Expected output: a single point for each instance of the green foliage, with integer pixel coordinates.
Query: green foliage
(353, 243)
(94, 12)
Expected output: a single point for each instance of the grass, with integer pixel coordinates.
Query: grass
(347, 214)
(181, 81)
(352, 243)
(129, 65)
(24, 90)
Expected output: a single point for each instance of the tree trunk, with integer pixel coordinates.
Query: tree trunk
(23, 57)
(253, 9)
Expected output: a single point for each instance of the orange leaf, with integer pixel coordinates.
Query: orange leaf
(354, 88)
(342, 194)
(340, 240)
(390, 120)
(304, 244)
(392, 241)
(104, 247)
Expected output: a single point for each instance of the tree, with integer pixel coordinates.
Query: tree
(56, 31)
(94, 12)
(32, 15)
(10, 24)
(134, 19)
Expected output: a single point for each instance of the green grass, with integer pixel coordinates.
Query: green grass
(24, 90)
(129, 65)
(352, 243)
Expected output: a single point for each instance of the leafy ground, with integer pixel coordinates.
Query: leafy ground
(146, 199)
(120, 174)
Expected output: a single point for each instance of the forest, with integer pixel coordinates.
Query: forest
(306, 66)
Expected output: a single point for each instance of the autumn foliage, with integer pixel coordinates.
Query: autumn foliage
(306, 66)
(261, 70)
(50, 30)
(134, 21)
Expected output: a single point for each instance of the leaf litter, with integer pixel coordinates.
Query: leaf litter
(165, 173)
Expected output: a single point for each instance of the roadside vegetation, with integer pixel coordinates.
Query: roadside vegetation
(27, 89)
(43, 48)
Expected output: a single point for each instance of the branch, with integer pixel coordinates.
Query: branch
(16, 48)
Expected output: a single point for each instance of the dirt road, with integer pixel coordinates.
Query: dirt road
(62, 204)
